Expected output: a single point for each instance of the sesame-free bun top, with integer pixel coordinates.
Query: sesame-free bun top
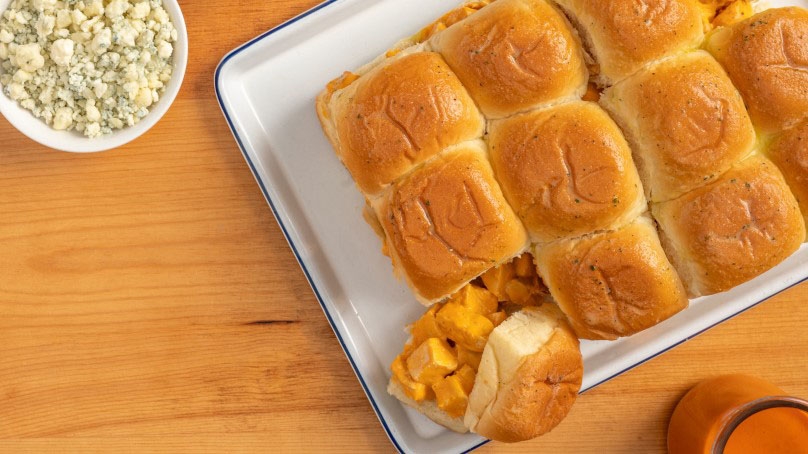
(566, 170)
(612, 284)
(447, 222)
(514, 55)
(396, 116)
(767, 58)
(622, 36)
(790, 153)
(686, 121)
(529, 376)
(732, 230)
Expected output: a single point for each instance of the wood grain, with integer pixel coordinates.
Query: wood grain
(149, 303)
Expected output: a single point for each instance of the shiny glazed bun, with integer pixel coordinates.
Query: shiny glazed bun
(566, 170)
(732, 230)
(515, 55)
(396, 116)
(686, 122)
(624, 35)
(612, 284)
(767, 58)
(790, 153)
(447, 222)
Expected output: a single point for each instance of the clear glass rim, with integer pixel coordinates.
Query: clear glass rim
(740, 414)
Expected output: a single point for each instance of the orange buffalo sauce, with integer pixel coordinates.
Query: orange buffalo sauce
(447, 20)
(749, 415)
(774, 430)
(442, 356)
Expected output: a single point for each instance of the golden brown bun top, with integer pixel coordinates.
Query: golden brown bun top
(514, 55)
(790, 153)
(767, 58)
(400, 114)
(566, 170)
(624, 35)
(612, 284)
(521, 392)
(447, 222)
(734, 229)
(687, 120)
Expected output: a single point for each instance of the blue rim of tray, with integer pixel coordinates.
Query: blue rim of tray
(300, 261)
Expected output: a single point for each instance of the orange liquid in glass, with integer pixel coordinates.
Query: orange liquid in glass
(772, 431)
(706, 409)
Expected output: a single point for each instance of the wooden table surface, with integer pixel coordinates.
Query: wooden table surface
(131, 283)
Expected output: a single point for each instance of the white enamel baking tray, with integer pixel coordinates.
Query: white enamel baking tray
(267, 88)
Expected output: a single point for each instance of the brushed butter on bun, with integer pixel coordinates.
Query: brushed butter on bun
(566, 170)
(529, 376)
(732, 230)
(515, 55)
(612, 284)
(528, 379)
(402, 112)
(622, 36)
(790, 153)
(767, 58)
(686, 121)
(447, 222)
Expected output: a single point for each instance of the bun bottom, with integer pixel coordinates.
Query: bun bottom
(429, 408)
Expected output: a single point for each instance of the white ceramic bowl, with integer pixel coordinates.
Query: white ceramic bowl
(74, 141)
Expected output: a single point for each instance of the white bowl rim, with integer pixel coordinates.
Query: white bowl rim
(73, 141)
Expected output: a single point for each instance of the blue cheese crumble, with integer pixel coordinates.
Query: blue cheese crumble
(92, 66)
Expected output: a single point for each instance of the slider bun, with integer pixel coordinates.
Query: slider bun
(566, 170)
(529, 376)
(528, 379)
(767, 58)
(447, 222)
(790, 153)
(686, 121)
(732, 230)
(624, 35)
(612, 284)
(398, 115)
(515, 55)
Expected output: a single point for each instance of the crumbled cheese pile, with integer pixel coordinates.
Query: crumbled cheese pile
(91, 65)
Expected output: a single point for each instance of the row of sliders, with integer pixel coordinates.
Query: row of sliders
(527, 218)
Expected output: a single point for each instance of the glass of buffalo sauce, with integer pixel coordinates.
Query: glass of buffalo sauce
(738, 414)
